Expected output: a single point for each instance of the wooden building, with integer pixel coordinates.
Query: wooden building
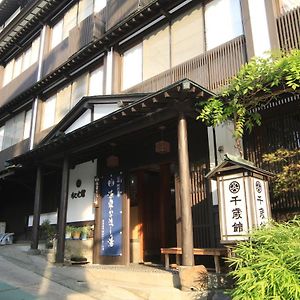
(97, 92)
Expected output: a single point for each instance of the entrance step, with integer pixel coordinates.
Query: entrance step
(137, 274)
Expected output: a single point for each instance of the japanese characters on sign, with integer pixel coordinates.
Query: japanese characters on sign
(235, 207)
(261, 211)
(111, 233)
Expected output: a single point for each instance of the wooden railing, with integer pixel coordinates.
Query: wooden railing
(288, 28)
(212, 69)
(86, 32)
(19, 84)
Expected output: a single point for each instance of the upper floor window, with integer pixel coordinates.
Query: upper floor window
(15, 129)
(132, 67)
(22, 62)
(76, 14)
(59, 104)
(223, 22)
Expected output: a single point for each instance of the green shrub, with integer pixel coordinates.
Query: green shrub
(268, 265)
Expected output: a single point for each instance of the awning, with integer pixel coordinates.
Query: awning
(165, 104)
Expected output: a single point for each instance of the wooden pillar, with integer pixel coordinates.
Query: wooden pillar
(37, 209)
(62, 213)
(185, 193)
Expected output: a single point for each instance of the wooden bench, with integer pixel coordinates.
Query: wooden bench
(215, 252)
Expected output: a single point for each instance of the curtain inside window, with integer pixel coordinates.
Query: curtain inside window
(85, 9)
(96, 82)
(57, 33)
(48, 113)
(187, 36)
(70, 20)
(156, 53)
(63, 103)
(132, 67)
(79, 89)
(223, 22)
(27, 124)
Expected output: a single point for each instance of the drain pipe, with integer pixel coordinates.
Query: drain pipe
(39, 75)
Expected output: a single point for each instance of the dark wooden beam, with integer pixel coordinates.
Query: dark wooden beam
(62, 213)
(37, 209)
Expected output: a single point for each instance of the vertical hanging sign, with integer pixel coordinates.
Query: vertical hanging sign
(111, 223)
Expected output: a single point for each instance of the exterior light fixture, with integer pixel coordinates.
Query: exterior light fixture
(243, 197)
(112, 161)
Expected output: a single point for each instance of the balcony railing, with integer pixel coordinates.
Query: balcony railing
(288, 29)
(87, 31)
(212, 69)
(19, 84)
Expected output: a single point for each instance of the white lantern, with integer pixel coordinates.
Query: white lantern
(243, 197)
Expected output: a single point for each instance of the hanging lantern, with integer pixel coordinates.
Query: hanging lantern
(112, 161)
(162, 146)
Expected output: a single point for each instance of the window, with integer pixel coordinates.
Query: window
(17, 65)
(70, 20)
(58, 105)
(96, 82)
(26, 59)
(99, 5)
(48, 113)
(156, 53)
(132, 67)
(63, 102)
(1, 136)
(27, 125)
(57, 34)
(223, 22)
(8, 72)
(13, 131)
(187, 36)
(85, 8)
(79, 89)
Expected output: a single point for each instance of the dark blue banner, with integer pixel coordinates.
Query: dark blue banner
(112, 227)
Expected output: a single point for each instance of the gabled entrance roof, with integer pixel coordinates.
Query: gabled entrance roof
(165, 104)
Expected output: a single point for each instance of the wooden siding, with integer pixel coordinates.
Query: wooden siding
(288, 28)
(280, 129)
(117, 10)
(212, 69)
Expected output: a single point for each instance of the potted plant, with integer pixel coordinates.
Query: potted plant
(69, 230)
(76, 233)
(85, 231)
(47, 233)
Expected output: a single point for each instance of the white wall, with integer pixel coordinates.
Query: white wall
(80, 207)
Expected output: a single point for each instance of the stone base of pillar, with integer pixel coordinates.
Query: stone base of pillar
(193, 278)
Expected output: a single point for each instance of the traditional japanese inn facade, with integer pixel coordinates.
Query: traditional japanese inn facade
(98, 117)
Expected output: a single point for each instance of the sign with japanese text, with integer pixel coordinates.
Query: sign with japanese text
(261, 208)
(235, 207)
(111, 222)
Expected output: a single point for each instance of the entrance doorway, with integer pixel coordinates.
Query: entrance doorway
(152, 212)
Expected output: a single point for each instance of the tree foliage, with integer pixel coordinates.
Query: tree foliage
(258, 82)
(268, 265)
(288, 178)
